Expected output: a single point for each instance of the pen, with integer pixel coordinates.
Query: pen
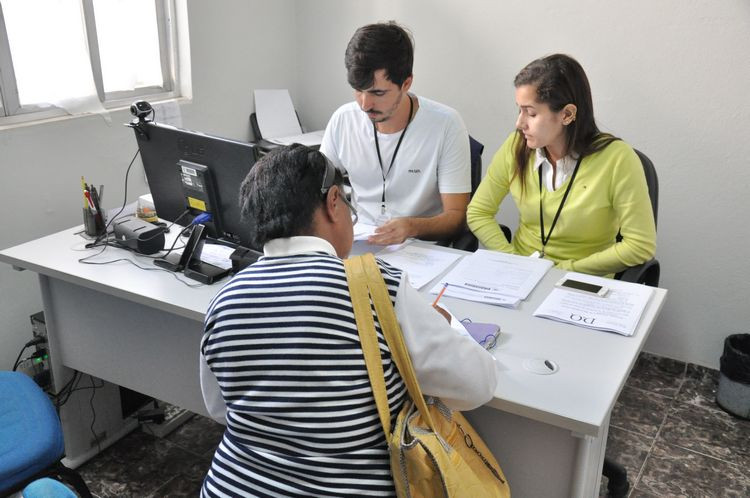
(445, 286)
(83, 187)
(90, 202)
(95, 198)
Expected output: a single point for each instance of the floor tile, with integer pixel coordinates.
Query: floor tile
(699, 387)
(657, 374)
(138, 465)
(179, 487)
(627, 449)
(708, 431)
(199, 435)
(674, 471)
(639, 411)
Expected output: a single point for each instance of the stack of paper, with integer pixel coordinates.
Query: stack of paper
(421, 263)
(619, 311)
(494, 278)
(277, 119)
(362, 230)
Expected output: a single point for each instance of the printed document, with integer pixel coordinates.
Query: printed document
(362, 231)
(619, 311)
(422, 264)
(494, 277)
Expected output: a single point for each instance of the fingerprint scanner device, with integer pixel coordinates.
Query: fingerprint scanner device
(140, 236)
(189, 262)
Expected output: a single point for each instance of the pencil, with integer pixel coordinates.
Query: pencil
(445, 286)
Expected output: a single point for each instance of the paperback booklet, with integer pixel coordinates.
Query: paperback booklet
(619, 311)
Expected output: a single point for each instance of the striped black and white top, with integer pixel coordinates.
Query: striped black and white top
(281, 340)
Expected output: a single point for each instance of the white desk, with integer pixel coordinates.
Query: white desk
(141, 329)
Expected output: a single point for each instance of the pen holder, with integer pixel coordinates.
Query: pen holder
(93, 223)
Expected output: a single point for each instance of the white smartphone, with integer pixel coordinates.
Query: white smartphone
(577, 285)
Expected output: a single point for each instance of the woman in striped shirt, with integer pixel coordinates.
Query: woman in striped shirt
(281, 362)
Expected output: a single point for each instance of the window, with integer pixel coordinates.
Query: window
(77, 55)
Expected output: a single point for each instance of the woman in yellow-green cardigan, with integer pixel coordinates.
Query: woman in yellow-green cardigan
(574, 186)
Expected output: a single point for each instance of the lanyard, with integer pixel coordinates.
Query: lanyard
(559, 209)
(393, 158)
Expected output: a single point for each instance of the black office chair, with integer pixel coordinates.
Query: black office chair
(466, 240)
(648, 274)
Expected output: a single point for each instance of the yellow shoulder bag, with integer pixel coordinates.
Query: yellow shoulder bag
(434, 452)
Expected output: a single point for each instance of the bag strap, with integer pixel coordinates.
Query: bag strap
(393, 336)
(357, 280)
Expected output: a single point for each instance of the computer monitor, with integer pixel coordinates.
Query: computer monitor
(166, 151)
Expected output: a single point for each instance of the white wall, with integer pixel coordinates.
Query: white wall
(236, 46)
(670, 77)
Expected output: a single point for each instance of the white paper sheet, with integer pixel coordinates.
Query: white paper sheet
(362, 231)
(275, 114)
(422, 264)
(494, 277)
(217, 255)
(619, 311)
(309, 139)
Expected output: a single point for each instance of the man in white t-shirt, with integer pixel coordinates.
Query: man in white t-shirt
(407, 157)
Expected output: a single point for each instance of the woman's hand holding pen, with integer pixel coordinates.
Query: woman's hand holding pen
(440, 310)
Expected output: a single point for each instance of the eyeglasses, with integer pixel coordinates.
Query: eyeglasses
(329, 177)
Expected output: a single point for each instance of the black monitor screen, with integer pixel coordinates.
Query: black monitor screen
(228, 161)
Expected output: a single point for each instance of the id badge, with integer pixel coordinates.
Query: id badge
(384, 216)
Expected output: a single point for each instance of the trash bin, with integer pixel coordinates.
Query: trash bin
(733, 394)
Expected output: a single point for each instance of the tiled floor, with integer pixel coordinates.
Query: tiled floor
(665, 429)
(673, 439)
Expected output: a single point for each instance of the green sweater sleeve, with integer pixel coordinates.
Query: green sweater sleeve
(484, 205)
(632, 207)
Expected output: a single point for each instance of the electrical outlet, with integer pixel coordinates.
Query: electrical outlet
(38, 325)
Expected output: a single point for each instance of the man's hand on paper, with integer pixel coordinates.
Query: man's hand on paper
(393, 231)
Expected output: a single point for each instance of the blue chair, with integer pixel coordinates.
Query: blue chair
(47, 488)
(31, 440)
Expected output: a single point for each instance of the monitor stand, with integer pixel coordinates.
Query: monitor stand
(189, 262)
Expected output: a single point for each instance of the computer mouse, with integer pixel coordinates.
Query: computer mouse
(540, 366)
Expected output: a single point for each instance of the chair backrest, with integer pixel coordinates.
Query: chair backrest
(31, 434)
(646, 273)
(466, 240)
(476, 163)
(652, 180)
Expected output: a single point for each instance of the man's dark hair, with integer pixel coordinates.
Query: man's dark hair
(379, 46)
(281, 193)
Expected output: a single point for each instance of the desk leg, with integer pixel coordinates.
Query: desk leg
(540, 460)
(91, 419)
(589, 461)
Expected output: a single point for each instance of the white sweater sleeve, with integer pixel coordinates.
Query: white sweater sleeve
(212, 397)
(447, 364)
